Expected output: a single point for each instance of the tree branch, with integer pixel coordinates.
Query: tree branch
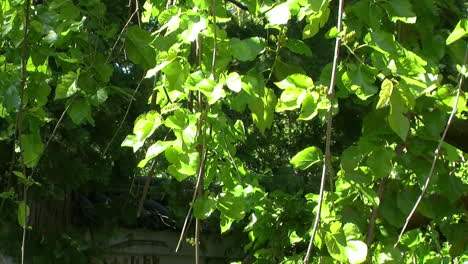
(326, 164)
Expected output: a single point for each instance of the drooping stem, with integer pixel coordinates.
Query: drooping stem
(436, 153)
(24, 61)
(326, 164)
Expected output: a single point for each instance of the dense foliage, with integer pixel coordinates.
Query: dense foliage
(231, 96)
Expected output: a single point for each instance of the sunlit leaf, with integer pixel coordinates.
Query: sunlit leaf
(307, 157)
(247, 49)
(460, 31)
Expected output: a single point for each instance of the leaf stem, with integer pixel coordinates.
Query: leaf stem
(326, 164)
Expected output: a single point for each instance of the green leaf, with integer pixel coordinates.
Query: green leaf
(204, 206)
(360, 79)
(232, 206)
(307, 157)
(138, 47)
(234, 82)
(80, 111)
(309, 108)
(194, 29)
(263, 109)
(399, 123)
(67, 85)
(299, 47)
(332, 33)
(291, 99)
(356, 251)
(279, 15)
(336, 242)
(352, 232)
(296, 81)
(247, 49)
(145, 125)
(177, 121)
(380, 162)
(225, 223)
(460, 31)
(23, 213)
(32, 148)
(401, 10)
(154, 150)
(294, 238)
(385, 93)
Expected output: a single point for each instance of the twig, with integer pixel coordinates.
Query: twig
(187, 217)
(146, 187)
(238, 4)
(122, 31)
(52, 135)
(436, 154)
(331, 95)
(375, 213)
(125, 116)
(24, 60)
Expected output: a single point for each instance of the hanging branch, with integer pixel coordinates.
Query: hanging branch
(375, 213)
(326, 164)
(202, 153)
(124, 117)
(436, 153)
(24, 61)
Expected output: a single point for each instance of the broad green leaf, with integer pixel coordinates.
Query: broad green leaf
(350, 158)
(352, 232)
(294, 238)
(307, 157)
(309, 108)
(295, 81)
(412, 238)
(290, 99)
(335, 241)
(247, 49)
(204, 206)
(399, 123)
(32, 148)
(11, 99)
(401, 10)
(183, 164)
(279, 15)
(67, 85)
(152, 72)
(225, 223)
(234, 82)
(360, 79)
(177, 121)
(382, 42)
(299, 47)
(23, 213)
(332, 33)
(80, 111)
(138, 47)
(460, 31)
(194, 29)
(263, 109)
(232, 206)
(310, 30)
(380, 162)
(385, 94)
(368, 12)
(356, 251)
(144, 127)
(154, 150)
